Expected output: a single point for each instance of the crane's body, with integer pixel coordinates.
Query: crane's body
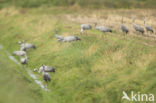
(123, 27)
(46, 69)
(19, 53)
(26, 46)
(46, 76)
(137, 27)
(102, 28)
(85, 27)
(148, 28)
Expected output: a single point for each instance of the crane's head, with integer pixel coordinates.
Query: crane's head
(144, 20)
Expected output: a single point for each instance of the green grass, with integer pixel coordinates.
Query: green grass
(93, 70)
(16, 86)
(81, 3)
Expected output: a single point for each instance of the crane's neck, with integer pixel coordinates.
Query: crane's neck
(144, 22)
(133, 20)
(122, 20)
(95, 24)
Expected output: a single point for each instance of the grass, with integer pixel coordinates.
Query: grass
(81, 3)
(93, 70)
(16, 86)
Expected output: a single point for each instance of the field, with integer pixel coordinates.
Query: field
(94, 70)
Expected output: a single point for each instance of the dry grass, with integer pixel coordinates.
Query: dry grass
(112, 18)
(92, 49)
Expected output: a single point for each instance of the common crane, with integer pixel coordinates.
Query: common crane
(148, 28)
(103, 28)
(46, 69)
(66, 38)
(46, 76)
(85, 27)
(26, 46)
(123, 27)
(19, 53)
(137, 27)
(24, 60)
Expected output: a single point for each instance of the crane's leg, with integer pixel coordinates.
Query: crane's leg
(46, 84)
(81, 31)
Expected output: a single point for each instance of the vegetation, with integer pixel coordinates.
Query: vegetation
(82, 3)
(93, 70)
(16, 86)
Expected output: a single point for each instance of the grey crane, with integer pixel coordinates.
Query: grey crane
(148, 28)
(26, 46)
(85, 27)
(46, 76)
(105, 29)
(123, 27)
(102, 28)
(24, 60)
(66, 38)
(137, 27)
(46, 69)
(19, 53)
(70, 38)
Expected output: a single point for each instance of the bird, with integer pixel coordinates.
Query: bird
(26, 46)
(148, 28)
(85, 27)
(137, 27)
(46, 76)
(19, 53)
(105, 29)
(24, 60)
(123, 27)
(70, 38)
(102, 28)
(46, 69)
(66, 38)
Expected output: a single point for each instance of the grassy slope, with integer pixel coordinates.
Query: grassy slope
(16, 86)
(93, 70)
